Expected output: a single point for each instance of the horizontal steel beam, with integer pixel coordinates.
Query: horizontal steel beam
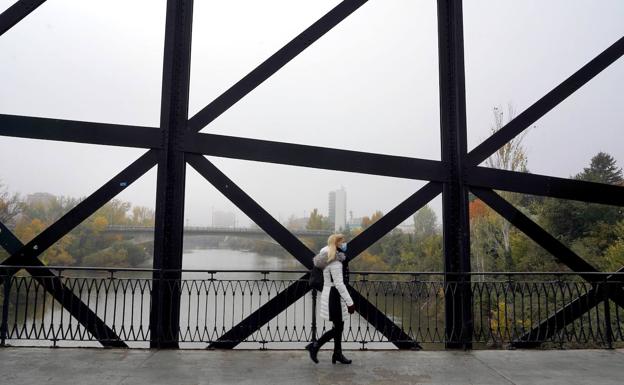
(15, 13)
(392, 219)
(54, 285)
(274, 63)
(546, 103)
(79, 132)
(252, 209)
(542, 185)
(316, 157)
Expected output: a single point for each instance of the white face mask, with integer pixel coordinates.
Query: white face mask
(343, 246)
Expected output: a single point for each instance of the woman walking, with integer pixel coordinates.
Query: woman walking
(336, 303)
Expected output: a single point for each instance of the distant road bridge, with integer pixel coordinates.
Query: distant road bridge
(227, 231)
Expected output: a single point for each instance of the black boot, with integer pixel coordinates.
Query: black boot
(337, 356)
(313, 348)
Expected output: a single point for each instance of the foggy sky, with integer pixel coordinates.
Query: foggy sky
(370, 84)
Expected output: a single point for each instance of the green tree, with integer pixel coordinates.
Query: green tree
(424, 255)
(588, 228)
(317, 221)
(614, 254)
(602, 169)
(572, 220)
(425, 223)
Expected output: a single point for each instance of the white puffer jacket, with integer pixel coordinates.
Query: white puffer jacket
(334, 270)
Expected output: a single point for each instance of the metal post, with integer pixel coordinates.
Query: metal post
(168, 232)
(607, 313)
(456, 231)
(4, 327)
(314, 315)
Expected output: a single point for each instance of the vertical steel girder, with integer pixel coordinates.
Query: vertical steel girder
(170, 183)
(456, 231)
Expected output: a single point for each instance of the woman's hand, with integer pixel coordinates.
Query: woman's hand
(351, 309)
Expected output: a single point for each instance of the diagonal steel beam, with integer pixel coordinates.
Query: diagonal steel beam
(15, 13)
(8, 240)
(392, 219)
(316, 157)
(54, 285)
(274, 63)
(83, 210)
(546, 103)
(79, 132)
(381, 322)
(255, 212)
(543, 185)
(566, 315)
(543, 238)
(263, 314)
(295, 291)
(292, 294)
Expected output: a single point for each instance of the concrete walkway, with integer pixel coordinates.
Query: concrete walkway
(106, 366)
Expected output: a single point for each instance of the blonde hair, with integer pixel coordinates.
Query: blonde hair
(332, 245)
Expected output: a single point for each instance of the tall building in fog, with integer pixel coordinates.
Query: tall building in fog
(338, 209)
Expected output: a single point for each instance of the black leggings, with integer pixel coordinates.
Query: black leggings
(336, 334)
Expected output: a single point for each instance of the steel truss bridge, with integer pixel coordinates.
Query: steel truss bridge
(177, 142)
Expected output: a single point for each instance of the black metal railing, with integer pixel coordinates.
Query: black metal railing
(509, 309)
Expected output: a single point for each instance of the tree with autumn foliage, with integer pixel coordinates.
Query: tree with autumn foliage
(88, 243)
(9, 205)
(512, 157)
(367, 221)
